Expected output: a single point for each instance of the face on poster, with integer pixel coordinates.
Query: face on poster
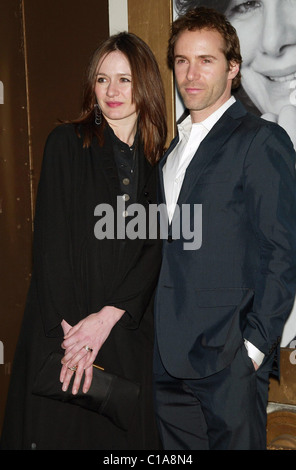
(267, 33)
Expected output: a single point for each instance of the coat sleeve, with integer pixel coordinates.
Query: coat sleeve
(270, 195)
(136, 290)
(52, 264)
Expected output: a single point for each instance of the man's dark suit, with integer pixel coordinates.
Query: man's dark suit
(240, 284)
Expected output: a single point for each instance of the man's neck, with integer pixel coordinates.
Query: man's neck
(200, 115)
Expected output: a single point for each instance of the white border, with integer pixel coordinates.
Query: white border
(1, 93)
(118, 16)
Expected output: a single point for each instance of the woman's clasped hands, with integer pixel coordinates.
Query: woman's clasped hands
(82, 343)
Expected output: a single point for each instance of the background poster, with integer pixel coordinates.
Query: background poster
(267, 33)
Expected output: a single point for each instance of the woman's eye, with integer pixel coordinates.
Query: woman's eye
(101, 79)
(244, 7)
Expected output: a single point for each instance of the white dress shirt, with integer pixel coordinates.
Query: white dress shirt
(190, 137)
(174, 170)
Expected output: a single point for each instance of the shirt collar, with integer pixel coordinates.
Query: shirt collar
(185, 126)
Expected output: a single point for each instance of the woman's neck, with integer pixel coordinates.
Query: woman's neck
(125, 130)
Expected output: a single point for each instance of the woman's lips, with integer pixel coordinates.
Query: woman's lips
(279, 74)
(283, 78)
(113, 104)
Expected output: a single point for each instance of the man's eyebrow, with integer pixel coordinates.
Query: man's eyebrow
(207, 56)
(200, 56)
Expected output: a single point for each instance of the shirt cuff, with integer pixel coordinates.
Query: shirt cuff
(254, 353)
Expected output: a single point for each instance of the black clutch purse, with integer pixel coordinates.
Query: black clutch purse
(109, 395)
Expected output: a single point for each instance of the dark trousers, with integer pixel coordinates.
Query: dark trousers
(225, 411)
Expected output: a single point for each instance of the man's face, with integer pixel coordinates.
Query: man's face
(202, 72)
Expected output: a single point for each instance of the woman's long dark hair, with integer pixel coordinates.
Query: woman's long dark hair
(147, 93)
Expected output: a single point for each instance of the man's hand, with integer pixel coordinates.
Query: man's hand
(255, 365)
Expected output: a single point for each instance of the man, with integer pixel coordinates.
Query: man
(220, 309)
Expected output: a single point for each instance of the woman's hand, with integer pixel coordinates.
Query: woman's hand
(286, 119)
(79, 370)
(82, 343)
(66, 327)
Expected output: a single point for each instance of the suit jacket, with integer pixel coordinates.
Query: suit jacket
(241, 282)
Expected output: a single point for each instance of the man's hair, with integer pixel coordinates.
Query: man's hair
(209, 19)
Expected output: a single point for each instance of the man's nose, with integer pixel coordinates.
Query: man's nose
(193, 71)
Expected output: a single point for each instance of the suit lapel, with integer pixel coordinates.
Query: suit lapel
(205, 154)
(209, 147)
(160, 168)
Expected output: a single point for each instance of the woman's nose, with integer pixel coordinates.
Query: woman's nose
(277, 28)
(112, 89)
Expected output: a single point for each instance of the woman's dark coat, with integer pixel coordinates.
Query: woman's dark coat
(76, 274)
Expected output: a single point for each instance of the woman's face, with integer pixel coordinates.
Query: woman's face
(267, 33)
(113, 89)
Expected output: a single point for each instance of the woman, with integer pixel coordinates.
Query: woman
(91, 295)
(267, 33)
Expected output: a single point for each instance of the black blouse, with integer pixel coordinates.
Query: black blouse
(126, 159)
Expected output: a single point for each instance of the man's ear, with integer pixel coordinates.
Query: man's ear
(233, 70)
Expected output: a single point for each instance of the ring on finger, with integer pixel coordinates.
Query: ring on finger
(73, 368)
(88, 349)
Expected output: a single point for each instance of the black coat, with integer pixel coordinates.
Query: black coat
(76, 274)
